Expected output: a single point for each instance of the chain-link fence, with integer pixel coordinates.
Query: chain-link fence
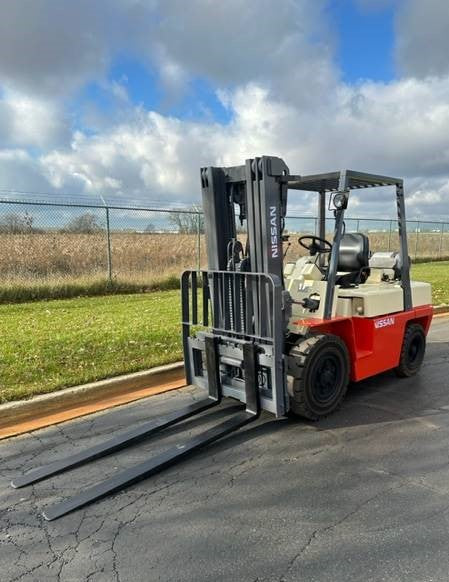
(43, 242)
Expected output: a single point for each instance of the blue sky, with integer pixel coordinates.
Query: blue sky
(198, 99)
(365, 40)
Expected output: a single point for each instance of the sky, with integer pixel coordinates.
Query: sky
(127, 99)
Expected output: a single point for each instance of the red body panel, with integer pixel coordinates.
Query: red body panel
(374, 343)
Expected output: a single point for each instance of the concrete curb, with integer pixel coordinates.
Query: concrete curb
(90, 397)
(440, 309)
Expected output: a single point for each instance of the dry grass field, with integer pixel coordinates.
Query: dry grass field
(39, 265)
(44, 255)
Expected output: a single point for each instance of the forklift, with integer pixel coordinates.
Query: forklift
(280, 336)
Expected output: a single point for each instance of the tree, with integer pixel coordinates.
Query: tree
(86, 223)
(187, 221)
(150, 227)
(16, 223)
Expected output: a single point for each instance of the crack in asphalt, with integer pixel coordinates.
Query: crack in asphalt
(228, 502)
(322, 530)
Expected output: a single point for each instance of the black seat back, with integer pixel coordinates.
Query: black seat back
(354, 252)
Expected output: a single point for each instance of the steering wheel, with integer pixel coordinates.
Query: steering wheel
(316, 245)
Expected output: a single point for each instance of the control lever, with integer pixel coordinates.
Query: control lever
(309, 303)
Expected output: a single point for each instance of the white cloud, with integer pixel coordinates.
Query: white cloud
(422, 40)
(20, 171)
(50, 48)
(31, 121)
(283, 45)
(55, 49)
(398, 129)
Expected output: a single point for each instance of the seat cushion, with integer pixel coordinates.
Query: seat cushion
(354, 252)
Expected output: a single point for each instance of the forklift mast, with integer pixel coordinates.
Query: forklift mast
(259, 189)
(242, 294)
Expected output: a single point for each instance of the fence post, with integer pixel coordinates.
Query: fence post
(416, 240)
(108, 238)
(198, 229)
(440, 246)
(389, 236)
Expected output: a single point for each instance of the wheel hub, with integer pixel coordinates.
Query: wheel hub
(326, 379)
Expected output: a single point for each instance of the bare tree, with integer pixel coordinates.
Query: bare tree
(187, 221)
(150, 227)
(16, 223)
(86, 223)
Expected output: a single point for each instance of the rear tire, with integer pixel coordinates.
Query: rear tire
(318, 376)
(412, 352)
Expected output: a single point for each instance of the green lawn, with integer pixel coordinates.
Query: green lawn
(438, 275)
(47, 345)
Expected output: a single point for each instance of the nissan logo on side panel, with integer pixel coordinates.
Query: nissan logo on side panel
(384, 322)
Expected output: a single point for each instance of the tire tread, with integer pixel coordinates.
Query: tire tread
(297, 360)
(403, 370)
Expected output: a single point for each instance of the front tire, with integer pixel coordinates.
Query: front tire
(412, 352)
(318, 376)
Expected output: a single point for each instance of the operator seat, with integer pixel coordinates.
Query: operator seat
(353, 260)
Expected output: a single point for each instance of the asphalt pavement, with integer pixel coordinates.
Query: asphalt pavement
(363, 495)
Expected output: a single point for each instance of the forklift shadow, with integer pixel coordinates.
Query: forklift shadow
(381, 399)
(190, 426)
(386, 398)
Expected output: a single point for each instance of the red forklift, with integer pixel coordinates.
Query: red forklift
(279, 336)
